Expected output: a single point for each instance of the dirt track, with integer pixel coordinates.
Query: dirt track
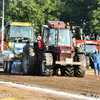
(90, 84)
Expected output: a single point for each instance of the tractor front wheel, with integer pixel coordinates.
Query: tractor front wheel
(46, 67)
(69, 71)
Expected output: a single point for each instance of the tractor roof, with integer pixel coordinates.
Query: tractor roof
(19, 23)
(56, 23)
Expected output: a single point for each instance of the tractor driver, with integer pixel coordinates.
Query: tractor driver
(62, 38)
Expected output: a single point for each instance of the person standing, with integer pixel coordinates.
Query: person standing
(26, 46)
(96, 59)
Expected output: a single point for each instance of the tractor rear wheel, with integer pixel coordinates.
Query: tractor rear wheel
(38, 58)
(79, 50)
(46, 64)
(81, 69)
(28, 60)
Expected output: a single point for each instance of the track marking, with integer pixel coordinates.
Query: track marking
(51, 91)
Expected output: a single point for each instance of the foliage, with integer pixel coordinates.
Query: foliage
(83, 13)
(38, 12)
(95, 18)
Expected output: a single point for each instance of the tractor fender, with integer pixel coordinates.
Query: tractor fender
(39, 45)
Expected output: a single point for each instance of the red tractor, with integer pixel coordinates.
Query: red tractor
(89, 47)
(55, 50)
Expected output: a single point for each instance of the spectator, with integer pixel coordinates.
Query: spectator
(27, 44)
(96, 59)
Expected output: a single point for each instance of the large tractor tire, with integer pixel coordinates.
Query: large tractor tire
(38, 57)
(46, 66)
(87, 62)
(5, 67)
(8, 67)
(69, 71)
(28, 60)
(81, 69)
(79, 50)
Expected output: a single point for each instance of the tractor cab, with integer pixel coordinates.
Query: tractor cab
(18, 32)
(57, 33)
(57, 36)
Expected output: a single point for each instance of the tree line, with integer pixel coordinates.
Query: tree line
(83, 13)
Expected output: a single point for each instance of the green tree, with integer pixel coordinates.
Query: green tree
(0, 12)
(78, 13)
(83, 13)
(36, 11)
(21, 10)
(94, 15)
(49, 10)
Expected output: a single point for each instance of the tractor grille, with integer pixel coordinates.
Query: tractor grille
(65, 55)
(66, 48)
